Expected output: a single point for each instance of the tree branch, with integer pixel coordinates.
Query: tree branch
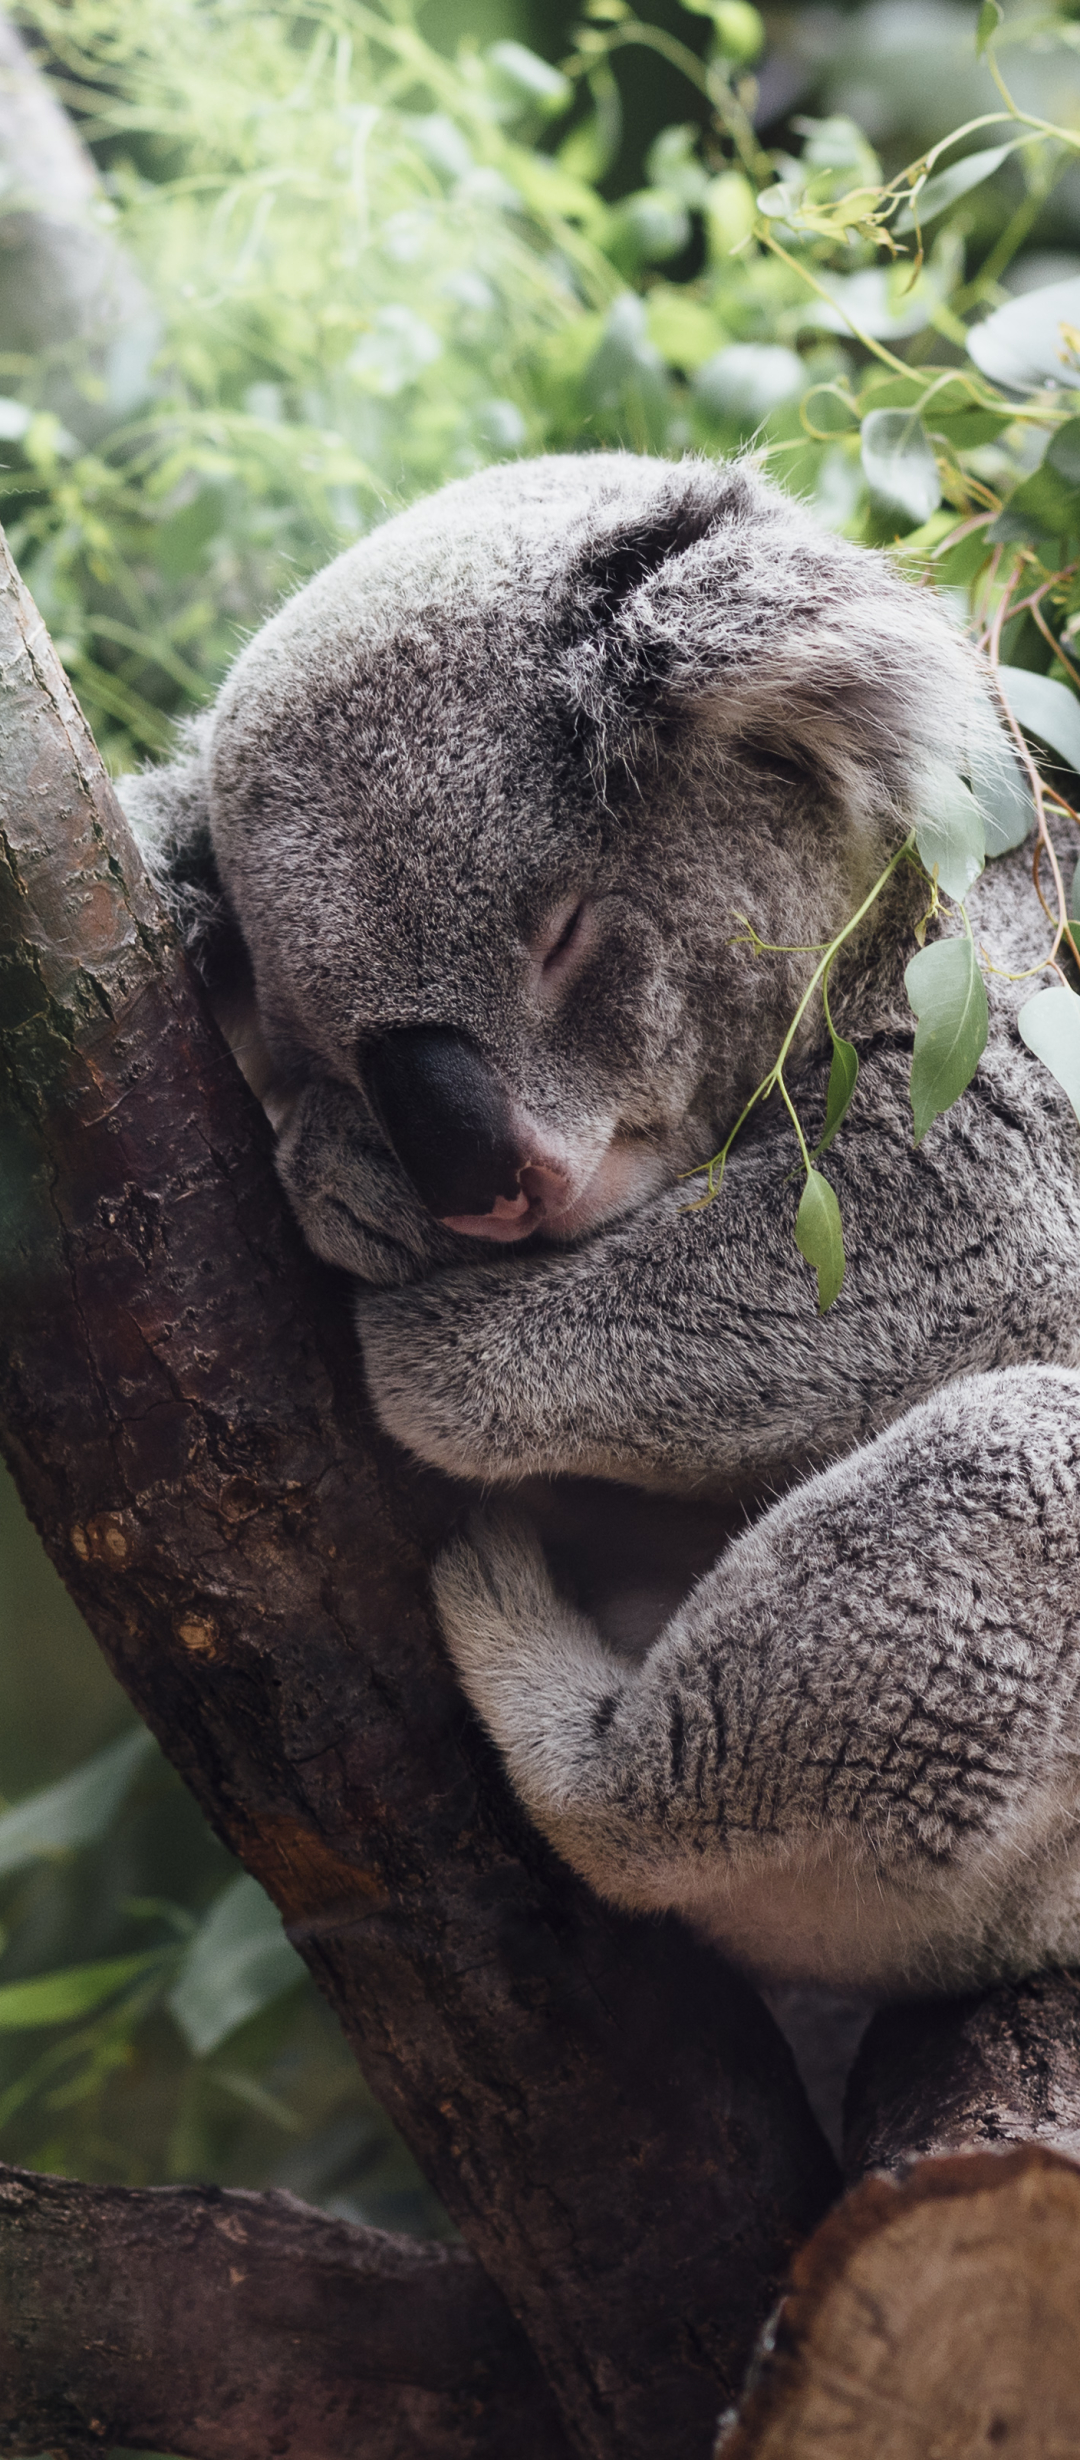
(611, 2116)
(234, 2325)
(938, 2308)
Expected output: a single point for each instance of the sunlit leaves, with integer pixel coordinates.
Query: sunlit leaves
(1050, 1025)
(951, 836)
(819, 1237)
(948, 996)
(900, 465)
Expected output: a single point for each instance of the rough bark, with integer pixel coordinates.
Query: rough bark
(952, 2075)
(938, 2309)
(70, 298)
(611, 2116)
(226, 2326)
(936, 2314)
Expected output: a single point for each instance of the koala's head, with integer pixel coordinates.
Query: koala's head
(488, 797)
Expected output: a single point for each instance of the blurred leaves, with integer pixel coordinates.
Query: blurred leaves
(75, 1812)
(238, 1962)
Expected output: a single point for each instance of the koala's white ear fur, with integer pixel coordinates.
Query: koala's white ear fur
(168, 810)
(727, 605)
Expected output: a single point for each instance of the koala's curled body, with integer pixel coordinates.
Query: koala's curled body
(506, 774)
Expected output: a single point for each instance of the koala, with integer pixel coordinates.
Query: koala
(466, 851)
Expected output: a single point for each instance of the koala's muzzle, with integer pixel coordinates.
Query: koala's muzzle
(447, 1116)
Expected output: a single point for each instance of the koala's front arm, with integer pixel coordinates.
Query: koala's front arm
(684, 1347)
(854, 1754)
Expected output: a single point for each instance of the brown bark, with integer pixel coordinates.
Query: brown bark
(935, 2315)
(227, 2326)
(611, 2117)
(938, 2309)
(952, 2075)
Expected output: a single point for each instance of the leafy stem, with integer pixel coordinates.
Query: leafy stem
(774, 1081)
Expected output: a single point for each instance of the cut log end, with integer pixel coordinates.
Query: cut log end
(931, 2317)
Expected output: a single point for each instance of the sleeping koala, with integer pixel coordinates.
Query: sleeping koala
(463, 850)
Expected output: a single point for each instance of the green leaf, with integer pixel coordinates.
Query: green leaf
(1074, 896)
(1003, 794)
(946, 186)
(1022, 345)
(529, 80)
(948, 996)
(78, 1810)
(953, 835)
(239, 1961)
(1044, 506)
(990, 17)
(1044, 708)
(843, 1078)
(819, 1237)
(901, 471)
(56, 1997)
(1050, 1024)
(1063, 452)
(747, 380)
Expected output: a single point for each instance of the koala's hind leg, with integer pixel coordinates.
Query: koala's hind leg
(854, 1753)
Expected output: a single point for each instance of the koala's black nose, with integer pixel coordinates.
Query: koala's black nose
(447, 1117)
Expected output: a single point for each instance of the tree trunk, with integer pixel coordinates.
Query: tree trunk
(229, 2325)
(609, 2114)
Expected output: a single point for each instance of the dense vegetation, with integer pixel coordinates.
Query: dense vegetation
(368, 266)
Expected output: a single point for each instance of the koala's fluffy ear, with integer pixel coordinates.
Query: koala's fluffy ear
(725, 604)
(168, 810)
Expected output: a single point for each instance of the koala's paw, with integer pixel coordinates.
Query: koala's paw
(353, 1203)
(534, 1669)
(444, 1377)
(493, 1593)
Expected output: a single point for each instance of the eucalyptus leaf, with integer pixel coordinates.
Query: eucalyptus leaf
(1044, 708)
(819, 1237)
(952, 838)
(1050, 1025)
(944, 187)
(1003, 794)
(1063, 452)
(843, 1078)
(55, 1998)
(948, 996)
(1022, 345)
(990, 18)
(747, 380)
(239, 1961)
(876, 301)
(79, 1809)
(900, 466)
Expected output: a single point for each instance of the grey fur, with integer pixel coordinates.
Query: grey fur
(660, 688)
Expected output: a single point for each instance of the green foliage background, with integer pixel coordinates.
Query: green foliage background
(384, 244)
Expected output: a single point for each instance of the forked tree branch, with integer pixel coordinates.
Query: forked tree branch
(610, 2115)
